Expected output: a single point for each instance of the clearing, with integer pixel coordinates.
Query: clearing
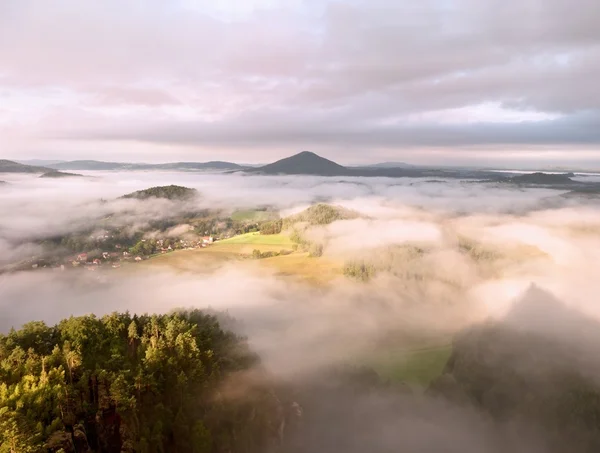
(417, 367)
(253, 215)
(238, 249)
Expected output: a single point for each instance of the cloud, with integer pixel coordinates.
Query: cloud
(482, 246)
(356, 75)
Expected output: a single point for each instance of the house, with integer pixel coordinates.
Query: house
(207, 240)
(96, 261)
(82, 257)
(105, 255)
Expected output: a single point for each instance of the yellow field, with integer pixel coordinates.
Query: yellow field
(313, 270)
(281, 240)
(297, 265)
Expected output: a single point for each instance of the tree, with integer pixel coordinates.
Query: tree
(123, 383)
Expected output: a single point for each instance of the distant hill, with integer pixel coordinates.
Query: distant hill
(308, 163)
(59, 174)
(94, 165)
(167, 192)
(304, 163)
(213, 165)
(40, 162)
(591, 192)
(388, 165)
(9, 166)
(539, 178)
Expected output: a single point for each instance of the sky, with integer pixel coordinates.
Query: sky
(357, 81)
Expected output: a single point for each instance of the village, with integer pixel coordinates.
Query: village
(114, 259)
(119, 255)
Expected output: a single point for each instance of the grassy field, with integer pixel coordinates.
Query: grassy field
(418, 367)
(189, 261)
(319, 271)
(252, 215)
(297, 265)
(281, 240)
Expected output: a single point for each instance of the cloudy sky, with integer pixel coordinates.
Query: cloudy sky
(433, 81)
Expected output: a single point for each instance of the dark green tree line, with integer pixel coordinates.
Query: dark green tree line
(124, 383)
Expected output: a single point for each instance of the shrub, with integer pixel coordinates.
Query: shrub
(273, 227)
(315, 250)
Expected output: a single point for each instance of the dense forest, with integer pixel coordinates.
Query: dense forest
(183, 383)
(125, 383)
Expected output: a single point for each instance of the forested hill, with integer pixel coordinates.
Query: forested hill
(60, 174)
(94, 165)
(9, 166)
(169, 192)
(126, 383)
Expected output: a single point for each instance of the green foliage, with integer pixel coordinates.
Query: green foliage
(273, 227)
(315, 250)
(514, 374)
(259, 239)
(59, 174)
(144, 247)
(257, 254)
(359, 270)
(171, 192)
(404, 261)
(320, 214)
(124, 383)
(476, 251)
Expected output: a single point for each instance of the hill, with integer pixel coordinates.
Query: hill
(538, 365)
(95, 165)
(212, 165)
(540, 178)
(88, 165)
(388, 165)
(59, 174)
(321, 214)
(167, 192)
(40, 162)
(9, 166)
(304, 163)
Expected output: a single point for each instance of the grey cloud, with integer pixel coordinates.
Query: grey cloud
(331, 75)
(111, 95)
(276, 129)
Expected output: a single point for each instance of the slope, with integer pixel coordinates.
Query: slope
(9, 166)
(304, 163)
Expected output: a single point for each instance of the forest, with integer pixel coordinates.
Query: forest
(124, 383)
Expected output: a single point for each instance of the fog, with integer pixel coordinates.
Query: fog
(517, 240)
(480, 247)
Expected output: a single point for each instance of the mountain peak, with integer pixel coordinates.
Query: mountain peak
(304, 163)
